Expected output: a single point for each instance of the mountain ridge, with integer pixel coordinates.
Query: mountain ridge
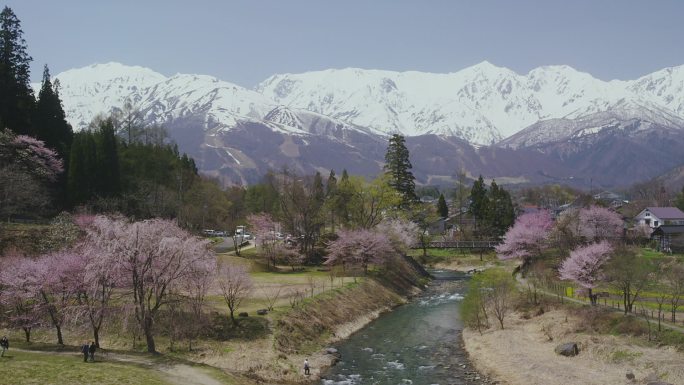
(567, 126)
(482, 104)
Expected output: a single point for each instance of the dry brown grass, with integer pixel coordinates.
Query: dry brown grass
(309, 325)
(523, 353)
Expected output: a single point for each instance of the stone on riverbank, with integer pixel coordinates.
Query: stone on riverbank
(568, 349)
(332, 351)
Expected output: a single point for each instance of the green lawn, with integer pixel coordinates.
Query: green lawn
(18, 367)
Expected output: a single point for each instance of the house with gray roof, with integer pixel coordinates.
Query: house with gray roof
(669, 238)
(658, 216)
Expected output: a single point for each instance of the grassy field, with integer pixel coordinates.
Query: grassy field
(20, 367)
(247, 348)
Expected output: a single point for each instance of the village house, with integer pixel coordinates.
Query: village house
(669, 238)
(658, 216)
(610, 199)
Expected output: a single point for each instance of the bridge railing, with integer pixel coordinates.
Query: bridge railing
(487, 244)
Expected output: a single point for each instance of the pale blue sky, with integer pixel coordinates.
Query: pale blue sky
(246, 41)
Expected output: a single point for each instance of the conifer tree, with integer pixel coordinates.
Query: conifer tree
(331, 197)
(16, 96)
(108, 160)
(398, 167)
(82, 174)
(345, 175)
(479, 202)
(318, 189)
(343, 198)
(49, 119)
(442, 208)
(331, 184)
(501, 212)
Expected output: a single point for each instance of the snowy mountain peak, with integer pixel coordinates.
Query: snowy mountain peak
(482, 104)
(110, 72)
(99, 88)
(486, 67)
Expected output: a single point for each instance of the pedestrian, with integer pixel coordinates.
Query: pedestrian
(306, 367)
(4, 345)
(91, 350)
(85, 348)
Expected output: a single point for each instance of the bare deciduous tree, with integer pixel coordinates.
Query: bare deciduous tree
(235, 284)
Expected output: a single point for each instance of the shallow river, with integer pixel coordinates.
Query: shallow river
(416, 344)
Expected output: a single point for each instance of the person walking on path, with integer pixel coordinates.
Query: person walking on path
(4, 345)
(92, 350)
(306, 367)
(85, 348)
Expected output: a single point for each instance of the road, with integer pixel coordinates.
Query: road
(227, 245)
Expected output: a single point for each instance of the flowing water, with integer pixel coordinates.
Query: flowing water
(416, 344)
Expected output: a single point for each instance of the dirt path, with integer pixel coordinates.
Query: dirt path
(174, 373)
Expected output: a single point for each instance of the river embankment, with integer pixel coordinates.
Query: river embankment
(523, 353)
(306, 330)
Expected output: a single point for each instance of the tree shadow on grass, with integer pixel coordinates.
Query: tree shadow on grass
(247, 328)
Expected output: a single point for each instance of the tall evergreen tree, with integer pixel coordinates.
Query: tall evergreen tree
(331, 184)
(331, 197)
(398, 167)
(318, 189)
(442, 208)
(108, 160)
(82, 175)
(16, 96)
(479, 202)
(345, 175)
(343, 198)
(49, 119)
(501, 212)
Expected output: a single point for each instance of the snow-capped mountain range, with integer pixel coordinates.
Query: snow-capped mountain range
(300, 117)
(482, 104)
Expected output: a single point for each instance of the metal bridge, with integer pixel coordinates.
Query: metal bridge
(488, 244)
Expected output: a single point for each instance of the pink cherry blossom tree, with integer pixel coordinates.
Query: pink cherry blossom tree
(272, 248)
(51, 285)
(359, 247)
(402, 233)
(94, 274)
(264, 228)
(154, 257)
(26, 166)
(597, 223)
(29, 154)
(235, 284)
(527, 238)
(18, 294)
(585, 266)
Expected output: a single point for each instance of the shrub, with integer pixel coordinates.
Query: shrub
(493, 293)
